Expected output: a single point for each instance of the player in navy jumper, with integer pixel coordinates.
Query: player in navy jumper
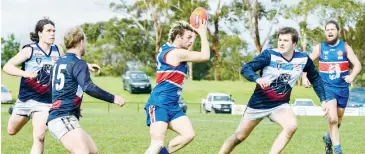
(70, 78)
(34, 99)
(280, 69)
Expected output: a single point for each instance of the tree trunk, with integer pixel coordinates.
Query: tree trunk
(254, 23)
(304, 44)
(216, 62)
(157, 37)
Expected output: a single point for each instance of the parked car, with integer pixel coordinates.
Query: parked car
(217, 103)
(303, 102)
(183, 105)
(6, 97)
(356, 101)
(357, 92)
(136, 81)
(303, 106)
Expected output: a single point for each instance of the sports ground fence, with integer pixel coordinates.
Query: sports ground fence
(197, 108)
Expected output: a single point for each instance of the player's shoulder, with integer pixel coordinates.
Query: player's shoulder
(29, 46)
(56, 47)
(167, 46)
(300, 54)
(70, 58)
(27, 50)
(271, 51)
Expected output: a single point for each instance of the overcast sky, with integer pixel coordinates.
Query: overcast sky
(20, 16)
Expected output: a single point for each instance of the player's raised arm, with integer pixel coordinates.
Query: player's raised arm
(194, 56)
(82, 75)
(19, 58)
(315, 79)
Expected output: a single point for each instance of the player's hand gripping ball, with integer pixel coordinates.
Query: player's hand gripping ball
(197, 15)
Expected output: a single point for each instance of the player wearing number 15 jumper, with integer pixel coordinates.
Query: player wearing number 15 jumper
(70, 78)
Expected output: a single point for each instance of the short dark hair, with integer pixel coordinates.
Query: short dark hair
(332, 22)
(289, 30)
(39, 28)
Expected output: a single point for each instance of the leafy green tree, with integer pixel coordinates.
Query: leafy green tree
(9, 48)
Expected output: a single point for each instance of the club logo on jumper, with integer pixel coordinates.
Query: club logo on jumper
(279, 64)
(38, 60)
(297, 67)
(340, 55)
(334, 71)
(325, 55)
(281, 84)
(43, 76)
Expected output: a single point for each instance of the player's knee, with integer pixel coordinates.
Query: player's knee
(340, 117)
(291, 128)
(239, 137)
(39, 137)
(333, 121)
(189, 137)
(12, 131)
(157, 136)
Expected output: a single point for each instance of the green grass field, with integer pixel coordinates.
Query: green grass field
(123, 130)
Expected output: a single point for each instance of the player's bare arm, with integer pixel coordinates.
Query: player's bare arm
(354, 61)
(194, 56)
(314, 56)
(315, 53)
(11, 66)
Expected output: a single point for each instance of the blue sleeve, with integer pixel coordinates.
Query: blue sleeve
(315, 79)
(258, 63)
(82, 75)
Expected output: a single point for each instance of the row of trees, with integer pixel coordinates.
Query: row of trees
(138, 36)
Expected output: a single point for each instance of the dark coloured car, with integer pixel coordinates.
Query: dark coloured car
(136, 82)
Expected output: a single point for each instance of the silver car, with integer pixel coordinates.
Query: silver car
(6, 97)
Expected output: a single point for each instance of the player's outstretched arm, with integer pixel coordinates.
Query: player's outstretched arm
(194, 56)
(315, 79)
(82, 75)
(22, 56)
(259, 62)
